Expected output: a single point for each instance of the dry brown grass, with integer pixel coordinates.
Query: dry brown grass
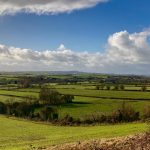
(136, 142)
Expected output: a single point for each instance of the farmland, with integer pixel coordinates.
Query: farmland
(20, 134)
(87, 100)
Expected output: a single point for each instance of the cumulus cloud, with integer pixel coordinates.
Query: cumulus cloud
(45, 6)
(125, 53)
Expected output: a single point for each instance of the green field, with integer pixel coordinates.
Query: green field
(89, 101)
(9, 98)
(83, 106)
(19, 134)
(18, 93)
(95, 93)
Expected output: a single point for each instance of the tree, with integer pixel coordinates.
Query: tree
(116, 87)
(25, 83)
(97, 87)
(67, 98)
(108, 87)
(50, 96)
(127, 113)
(146, 112)
(48, 113)
(2, 108)
(102, 87)
(143, 88)
(121, 87)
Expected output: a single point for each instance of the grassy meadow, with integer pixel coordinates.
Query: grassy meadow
(20, 134)
(86, 102)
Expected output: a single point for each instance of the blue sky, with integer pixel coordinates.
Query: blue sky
(80, 30)
(105, 36)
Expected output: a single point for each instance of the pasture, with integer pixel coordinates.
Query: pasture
(20, 134)
(87, 101)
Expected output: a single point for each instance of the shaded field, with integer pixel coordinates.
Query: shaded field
(20, 134)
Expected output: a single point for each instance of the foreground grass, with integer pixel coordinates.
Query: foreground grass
(19, 134)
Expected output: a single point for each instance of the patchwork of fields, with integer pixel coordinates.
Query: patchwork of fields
(21, 134)
(86, 101)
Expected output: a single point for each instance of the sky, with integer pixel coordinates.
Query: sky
(104, 36)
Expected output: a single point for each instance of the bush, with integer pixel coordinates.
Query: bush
(67, 98)
(67, 120)
(122, 87)
(143, 88)
(116, 87)
(2, 108)
(146, 112)
(97, 87)
(24, 110)
(102, 87)
(123, 114)
(95, 118)
(19, 109)
(108, 87)
(126, 114)
(48, 113)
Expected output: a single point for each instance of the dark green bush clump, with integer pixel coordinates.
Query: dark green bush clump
(50, 96)
(48, 114)
(2, 108)
(146, 112)
(123, 114)
(22, 109)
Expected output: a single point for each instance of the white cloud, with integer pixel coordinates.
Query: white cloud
(45, 6)
(125, 53)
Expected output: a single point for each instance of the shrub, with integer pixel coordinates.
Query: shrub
(143, 88)
(116, 87)
(2, 108)
(122, 87)
(24, 110)
(97, 87)
(19, 109)
(95, 118)
(108, 87)
(67, 120)
(67, 98)
(48, 113)
(146, 112)
(126, 114)
(102, 87)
